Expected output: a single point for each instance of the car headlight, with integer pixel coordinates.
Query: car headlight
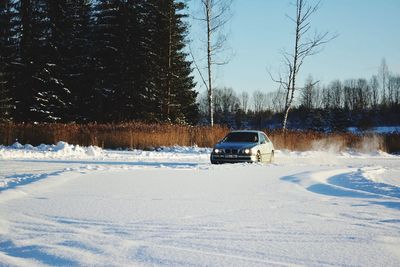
(247, 151)
(217, 151)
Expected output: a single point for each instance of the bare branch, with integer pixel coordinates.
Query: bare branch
(197, 67)
(303, 48)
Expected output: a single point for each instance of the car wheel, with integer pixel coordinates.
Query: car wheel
(271, 159)
(258, 157)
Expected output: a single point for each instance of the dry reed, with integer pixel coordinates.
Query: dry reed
(137, 135)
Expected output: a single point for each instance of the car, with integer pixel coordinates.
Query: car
(243, 146)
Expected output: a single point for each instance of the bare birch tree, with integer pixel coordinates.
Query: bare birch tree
(244, 100)
(374, 84)
(259, 101)
(383, 77)
(305, 45)
(215, 15)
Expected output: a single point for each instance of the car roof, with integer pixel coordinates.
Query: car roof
(246, 131)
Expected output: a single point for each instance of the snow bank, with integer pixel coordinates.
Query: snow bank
(63, 150)
(185, 150)
(323, 152)
(60, 150)
(381, 175)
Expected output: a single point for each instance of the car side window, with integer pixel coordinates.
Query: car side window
(266, 139)
(262, 139)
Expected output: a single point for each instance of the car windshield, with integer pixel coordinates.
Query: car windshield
(241, 137)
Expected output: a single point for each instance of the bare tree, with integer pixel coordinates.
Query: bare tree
(259, 101)
(304, 46)
(337, 93)
(228, 100)
(215, 14)
(374, 85)
(309, 93)
(383, 74)
(394, 89)
(244, 99)
(276, 100)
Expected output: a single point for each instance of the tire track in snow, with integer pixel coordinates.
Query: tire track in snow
(350, 182)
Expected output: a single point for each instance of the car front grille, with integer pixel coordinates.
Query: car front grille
(231, 151)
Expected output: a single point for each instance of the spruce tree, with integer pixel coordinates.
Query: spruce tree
(40, 93)
(52, 99)
(76, 60)
(8, 49)
(175, 94)
(184, 107)
(22, 70)
(132, 54)
(109, 39)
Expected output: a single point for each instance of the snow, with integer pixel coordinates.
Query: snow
(377, 130)
(68, 205)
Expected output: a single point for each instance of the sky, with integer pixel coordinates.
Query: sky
(259, 30)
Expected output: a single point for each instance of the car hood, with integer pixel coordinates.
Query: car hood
(232, 145)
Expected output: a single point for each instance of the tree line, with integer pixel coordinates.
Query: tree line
(362, 103)
(120, 60)
(95, 61)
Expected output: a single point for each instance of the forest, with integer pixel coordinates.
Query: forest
(334, 107)
(114, 61)
(95, 61)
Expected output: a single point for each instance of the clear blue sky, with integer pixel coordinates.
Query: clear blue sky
(369, 30)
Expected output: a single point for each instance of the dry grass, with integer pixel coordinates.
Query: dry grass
(147, 136)
(303, 141)
(126, 135)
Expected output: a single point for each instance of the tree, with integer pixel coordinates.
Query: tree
(109, 59)
(216, 13)
(374, 85)
(141, 59)
(308, 93)
(52, 97)
(77, 57)
(176, 86)
(304, 47)
(259, 101)
(8, 53)
(226, 103)
(276, 100)
(24, 63)
(337, 94)
(32, 62)
(383, 75)
(244, 101)
(393, 90)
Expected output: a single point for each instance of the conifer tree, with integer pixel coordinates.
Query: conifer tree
(176, 98)
(51, 97)
(109, 39)
(76, 60)
(22, 84)
(8, 48)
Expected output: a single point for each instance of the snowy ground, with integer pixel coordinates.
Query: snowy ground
(68, 205)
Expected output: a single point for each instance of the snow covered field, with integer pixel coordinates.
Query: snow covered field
(69, 205)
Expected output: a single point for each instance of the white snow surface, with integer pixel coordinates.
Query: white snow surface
(66, 205)
(377, 130)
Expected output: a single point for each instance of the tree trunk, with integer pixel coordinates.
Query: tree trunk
(209, 63)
